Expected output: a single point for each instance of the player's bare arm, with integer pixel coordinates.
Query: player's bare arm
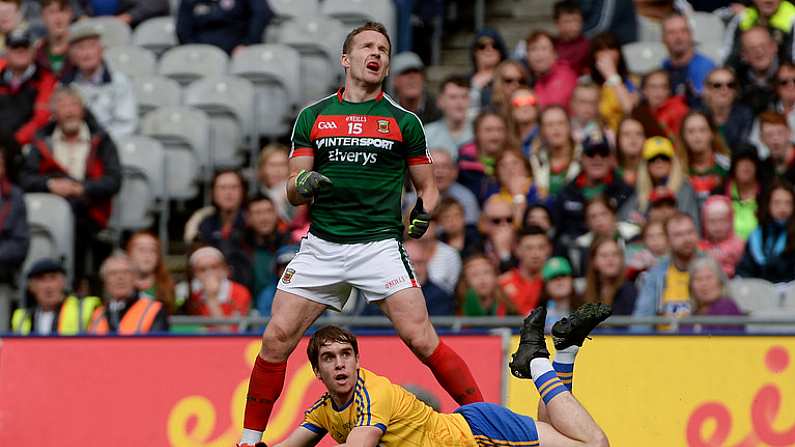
(425, 185)
(301, 437)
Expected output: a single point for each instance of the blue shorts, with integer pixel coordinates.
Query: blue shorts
(495, 425)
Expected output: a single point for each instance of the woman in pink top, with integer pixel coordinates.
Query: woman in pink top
(720, 241)
(553, 80)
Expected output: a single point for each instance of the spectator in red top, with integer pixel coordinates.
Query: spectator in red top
(25, 89)
(523, 283)
(225, 228)
(657, 101)
(571, 45)
(53, 50)
(76, 159)
(720, 241)
(215, 295)
(553, 79)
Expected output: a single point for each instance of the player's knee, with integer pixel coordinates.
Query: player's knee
(276, 343)
(420, 343)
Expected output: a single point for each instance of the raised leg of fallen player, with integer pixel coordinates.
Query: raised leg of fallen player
(562, 420)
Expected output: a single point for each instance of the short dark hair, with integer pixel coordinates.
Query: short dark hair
(326, 336)
(532, 230)
(259, 196)
(538, 35)
(565, 7)
(677, 216)
(369, 26)
(455, 79)
(62, 4)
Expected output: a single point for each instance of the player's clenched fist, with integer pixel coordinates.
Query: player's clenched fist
(310, 183)
(419, 219)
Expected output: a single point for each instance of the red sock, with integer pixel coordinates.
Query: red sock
(453, 374)
(267, 381)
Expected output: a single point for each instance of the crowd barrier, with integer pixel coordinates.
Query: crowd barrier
(694, 391)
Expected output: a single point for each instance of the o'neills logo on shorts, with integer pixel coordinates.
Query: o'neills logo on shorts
(288, 276)
(395, 282)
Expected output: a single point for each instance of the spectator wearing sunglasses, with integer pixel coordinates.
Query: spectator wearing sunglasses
(498, 231)
(553, 80)
(598, 177)
(733, 119)
(659, 171)
(785, 93)
(488, 50)
(509, 76)
(758, 69)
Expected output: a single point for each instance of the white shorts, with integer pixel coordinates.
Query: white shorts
(325, 272)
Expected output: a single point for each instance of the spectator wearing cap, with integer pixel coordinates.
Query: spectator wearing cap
(662, 205)
(559, 295)
(281, 258)
(25, 89)
(553, 80)
(776, 135)
(745, 186)
(75, 158)
(227, 24)
(54, 311)
(665, 288)
(660, 168)
(659, 106)
(598, 178)
(53, 51)
(523, 284)
(758, 71)
(487, 51)
(408, 85)
(215, 295)
(733, 118)
(686, 67)
(131, 12)
(720, 241)
(774, 16)
(14, 230)
(127, 311)
(262, 239)
(108, 94)
(454, 128)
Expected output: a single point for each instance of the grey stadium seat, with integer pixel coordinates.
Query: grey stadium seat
(643, 57)
(229, 103)
(274, 69)
(284, 10)
(152, 92)
(142, 159)
(707, 27)
(52, 230)
(157, 34)
(114, 32)
(713, 50)
(184, 133)
(353, 13)
(187, 63)
(753, 295)
(131, 60)
(319, 41)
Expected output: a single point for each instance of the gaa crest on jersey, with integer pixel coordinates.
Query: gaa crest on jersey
(288, 276)
(383, 126)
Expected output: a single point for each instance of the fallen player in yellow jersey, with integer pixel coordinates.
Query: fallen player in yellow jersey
(363, 409)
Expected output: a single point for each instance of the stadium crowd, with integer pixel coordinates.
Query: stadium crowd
(564, 177)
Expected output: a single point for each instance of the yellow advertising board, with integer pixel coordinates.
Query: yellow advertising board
(682, 391)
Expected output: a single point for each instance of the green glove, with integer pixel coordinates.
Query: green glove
(311, 183)
(419, 220)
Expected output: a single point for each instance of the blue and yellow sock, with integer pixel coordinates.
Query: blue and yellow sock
(546, 379)
(564, 365)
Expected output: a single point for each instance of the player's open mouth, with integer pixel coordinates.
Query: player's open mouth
(373, 65)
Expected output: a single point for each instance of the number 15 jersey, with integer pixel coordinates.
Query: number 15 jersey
(364, 148)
